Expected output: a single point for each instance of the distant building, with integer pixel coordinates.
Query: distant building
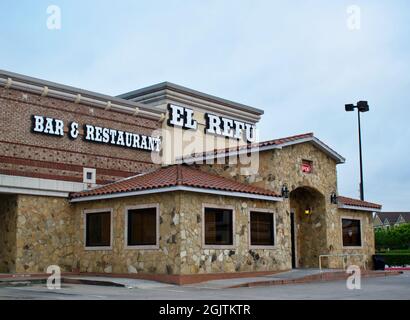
(385, 220)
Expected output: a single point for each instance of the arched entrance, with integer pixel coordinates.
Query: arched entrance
(308, 219)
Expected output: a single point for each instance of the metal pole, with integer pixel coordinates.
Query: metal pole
(361, 159)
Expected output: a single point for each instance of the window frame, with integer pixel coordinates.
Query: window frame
(102, 248)
(360, 219)
(261, 210)
(221, 207)
(157, 220)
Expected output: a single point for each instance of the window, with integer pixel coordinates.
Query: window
(351, 233)
(98, 229)
(262, 229)
(142, 226)
(218, 227)
(89, 175)
(307, 166)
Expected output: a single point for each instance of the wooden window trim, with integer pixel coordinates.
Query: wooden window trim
(102, 248)
(267, 247)
(142, 247)
(222, 207)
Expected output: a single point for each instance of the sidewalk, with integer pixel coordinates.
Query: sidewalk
(289, 277)
(283, 278)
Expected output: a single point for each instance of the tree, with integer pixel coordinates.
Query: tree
(393, 238)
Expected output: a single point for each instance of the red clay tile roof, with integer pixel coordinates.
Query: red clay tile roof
(252, 145)
(176, 175)
(286, 139)
(358, 203)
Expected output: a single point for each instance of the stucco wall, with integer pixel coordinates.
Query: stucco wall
(8, 224)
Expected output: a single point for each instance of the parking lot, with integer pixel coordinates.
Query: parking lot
(392, 287)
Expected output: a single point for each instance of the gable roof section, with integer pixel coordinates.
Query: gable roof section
(393, 217)
(175, 178)
(355, 204)
(263, 146)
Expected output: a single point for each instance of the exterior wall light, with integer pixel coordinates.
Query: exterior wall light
(308, 211)
(333, 198)
(285, 192)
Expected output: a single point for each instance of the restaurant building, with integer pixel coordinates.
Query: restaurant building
(164, 181)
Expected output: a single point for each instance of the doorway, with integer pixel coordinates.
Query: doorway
(308, 227)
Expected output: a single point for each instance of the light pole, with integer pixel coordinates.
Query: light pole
(362, 106)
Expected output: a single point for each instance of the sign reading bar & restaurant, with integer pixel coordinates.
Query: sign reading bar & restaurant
(55, 127)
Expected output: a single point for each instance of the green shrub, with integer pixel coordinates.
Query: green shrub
(393, 238)
(396, 259)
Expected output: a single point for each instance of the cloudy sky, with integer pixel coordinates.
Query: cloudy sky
(297, 60)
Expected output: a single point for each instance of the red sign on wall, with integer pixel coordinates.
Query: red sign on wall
(307, 166)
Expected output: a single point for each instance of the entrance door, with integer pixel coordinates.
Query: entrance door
(293, 238)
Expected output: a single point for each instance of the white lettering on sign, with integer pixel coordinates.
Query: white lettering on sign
(121, 138)
(229, 128)
(181, 117)
(50, 126)
(74, 130)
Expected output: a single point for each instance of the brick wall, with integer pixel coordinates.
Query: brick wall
(24, 153)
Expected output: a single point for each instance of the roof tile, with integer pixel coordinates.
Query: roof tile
(358, 203)
(175, 175)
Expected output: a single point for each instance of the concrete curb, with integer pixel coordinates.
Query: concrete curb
(321, 277)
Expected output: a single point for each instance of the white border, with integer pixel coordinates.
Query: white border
(361, 232)
(257, 247)
(142, 247)
(177, 188)
(218, 206)
(87, 211)
(344, 206)
(315, 141)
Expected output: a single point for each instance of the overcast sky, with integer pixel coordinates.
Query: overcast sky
(297, 60)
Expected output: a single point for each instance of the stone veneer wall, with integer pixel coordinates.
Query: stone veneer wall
(165, 260)
(335, 238)
(8, 225)
(272, 169)
(44, 233)
(277, 167)
(181, 250)
(241, 258)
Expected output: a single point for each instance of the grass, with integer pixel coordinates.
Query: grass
(394, 251)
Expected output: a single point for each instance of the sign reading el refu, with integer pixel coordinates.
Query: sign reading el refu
(221, 126)
(55, 127)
